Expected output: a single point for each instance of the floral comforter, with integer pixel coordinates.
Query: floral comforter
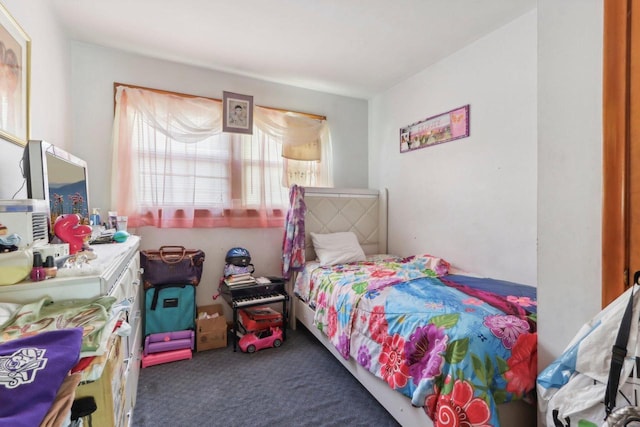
(456, 345)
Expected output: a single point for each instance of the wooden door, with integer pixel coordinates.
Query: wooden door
(634, 144)
(621, 147)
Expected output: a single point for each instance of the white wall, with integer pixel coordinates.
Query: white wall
(95, 69)
(569, 170)
(50, 89)
(471, 201)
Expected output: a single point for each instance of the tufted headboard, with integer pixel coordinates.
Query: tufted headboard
(362, 211)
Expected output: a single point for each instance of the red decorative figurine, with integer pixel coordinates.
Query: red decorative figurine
(69, 230)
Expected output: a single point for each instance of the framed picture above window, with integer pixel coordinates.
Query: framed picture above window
(237, 113)
(15, 51)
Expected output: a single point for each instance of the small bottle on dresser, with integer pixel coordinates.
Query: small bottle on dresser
(50, 268)
(94, 219)
(37, 272)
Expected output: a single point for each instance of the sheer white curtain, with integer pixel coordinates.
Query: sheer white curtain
(174, 167)
(306, 146)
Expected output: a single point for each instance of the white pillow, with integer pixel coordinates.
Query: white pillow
(337, 248)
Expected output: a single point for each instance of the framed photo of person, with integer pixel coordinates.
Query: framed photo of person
(15, 52)
(237, 113)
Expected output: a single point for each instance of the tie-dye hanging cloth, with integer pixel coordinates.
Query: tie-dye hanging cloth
(293, 241)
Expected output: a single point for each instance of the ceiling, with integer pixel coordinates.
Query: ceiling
(355, 48)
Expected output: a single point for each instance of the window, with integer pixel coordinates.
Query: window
(174, 167)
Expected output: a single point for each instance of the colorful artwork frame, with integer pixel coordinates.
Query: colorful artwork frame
(15, 63)
(445, 127)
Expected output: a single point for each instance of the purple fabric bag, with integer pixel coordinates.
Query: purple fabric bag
(230, 269)
(31, 372)
(171, 265)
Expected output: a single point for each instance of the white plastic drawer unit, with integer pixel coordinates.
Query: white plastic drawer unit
(115, 264)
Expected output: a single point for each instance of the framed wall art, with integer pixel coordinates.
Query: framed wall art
(434, 130)
(15, 58)
(237, 113)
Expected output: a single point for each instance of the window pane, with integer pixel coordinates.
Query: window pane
(181, 174)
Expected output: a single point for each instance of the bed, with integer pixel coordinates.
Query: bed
(420, 339)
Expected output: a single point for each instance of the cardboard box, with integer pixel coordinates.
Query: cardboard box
(211, 333)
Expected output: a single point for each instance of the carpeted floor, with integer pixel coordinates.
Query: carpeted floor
(298, 384)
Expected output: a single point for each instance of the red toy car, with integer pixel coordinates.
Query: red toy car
(253, 341)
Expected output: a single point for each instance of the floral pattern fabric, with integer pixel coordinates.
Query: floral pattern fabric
(94, 316)
(456, 354)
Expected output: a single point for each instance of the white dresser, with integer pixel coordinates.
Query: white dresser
(113, 261)
(114, 272)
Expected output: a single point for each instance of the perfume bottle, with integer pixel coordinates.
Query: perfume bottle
(37, 272)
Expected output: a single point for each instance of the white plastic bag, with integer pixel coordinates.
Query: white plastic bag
(571, 390)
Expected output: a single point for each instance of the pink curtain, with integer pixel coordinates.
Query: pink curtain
(173, 166)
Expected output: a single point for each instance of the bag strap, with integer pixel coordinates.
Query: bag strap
(619, 352)
(167, 251)
(156, 293)
(154, 300)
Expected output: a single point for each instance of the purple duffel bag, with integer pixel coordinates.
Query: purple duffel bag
(171, 265)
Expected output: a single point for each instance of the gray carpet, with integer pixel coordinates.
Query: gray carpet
(298, 384)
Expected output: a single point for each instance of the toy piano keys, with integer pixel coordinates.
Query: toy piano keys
(167, 347)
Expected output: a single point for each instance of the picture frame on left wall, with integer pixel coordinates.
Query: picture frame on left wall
(15, 73)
